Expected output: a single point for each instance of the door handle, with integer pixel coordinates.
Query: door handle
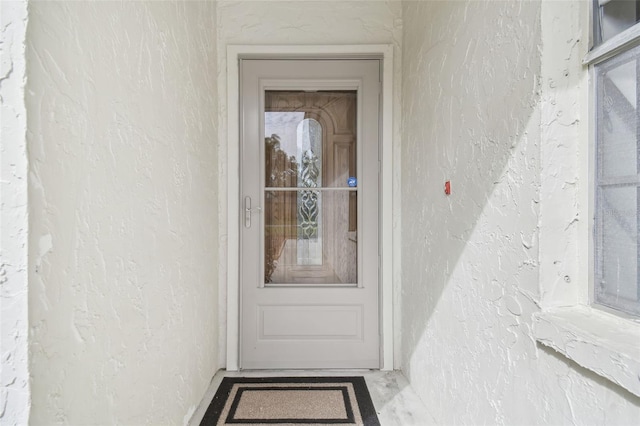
(247, 211)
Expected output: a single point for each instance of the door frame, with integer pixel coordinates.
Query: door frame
(383, 52)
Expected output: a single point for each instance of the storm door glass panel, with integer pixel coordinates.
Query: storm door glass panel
(617, 280)
(310, 188)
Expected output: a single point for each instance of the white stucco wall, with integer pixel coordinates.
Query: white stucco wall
(14, 329)
(296, 23)
(492, 101)
(121, 102)
(564, 149)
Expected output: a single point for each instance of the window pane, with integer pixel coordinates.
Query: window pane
(310, 138)
(617, 284)
(615, 16)
(311, 188)
(618, 182)
(618, 115)
(307, 240)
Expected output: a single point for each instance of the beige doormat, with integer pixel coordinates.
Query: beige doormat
(291, 401)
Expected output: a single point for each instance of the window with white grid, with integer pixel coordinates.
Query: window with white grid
(615, 64)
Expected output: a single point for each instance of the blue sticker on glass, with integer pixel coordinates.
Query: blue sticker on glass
(352, 182)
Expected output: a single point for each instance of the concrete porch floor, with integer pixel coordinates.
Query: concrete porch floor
(395, 401)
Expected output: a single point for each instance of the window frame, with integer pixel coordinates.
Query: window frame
(598, 53)
(568, 323)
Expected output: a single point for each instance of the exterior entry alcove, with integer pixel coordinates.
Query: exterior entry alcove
(119, 200)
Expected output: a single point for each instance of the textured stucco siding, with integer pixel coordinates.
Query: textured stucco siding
(14, 328)
(122, 107)
(298, 23)
(490, 102)
(564, 154)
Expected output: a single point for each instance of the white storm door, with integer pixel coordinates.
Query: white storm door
(309, 214)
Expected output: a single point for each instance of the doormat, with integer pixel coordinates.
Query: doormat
(291, 401)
